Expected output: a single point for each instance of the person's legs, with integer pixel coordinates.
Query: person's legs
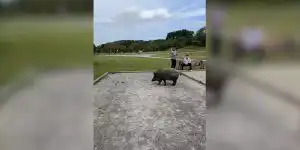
(184, 65)
(201, 64)
(173, 63)
(190, 65)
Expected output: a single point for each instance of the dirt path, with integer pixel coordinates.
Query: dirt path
(131, 113)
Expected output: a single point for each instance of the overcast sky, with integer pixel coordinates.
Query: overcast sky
(145, 19)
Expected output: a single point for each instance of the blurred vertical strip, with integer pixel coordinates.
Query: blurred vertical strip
(44, 34)
(253, 74)
(46, 74)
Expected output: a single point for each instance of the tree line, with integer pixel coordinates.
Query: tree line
(177, 39)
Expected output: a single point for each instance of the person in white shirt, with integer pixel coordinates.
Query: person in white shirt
(250, 41)
(187, 62)
(251, 38)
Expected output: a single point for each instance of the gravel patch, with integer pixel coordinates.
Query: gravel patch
(131, 113)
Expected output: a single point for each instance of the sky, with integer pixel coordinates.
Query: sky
(145, 19)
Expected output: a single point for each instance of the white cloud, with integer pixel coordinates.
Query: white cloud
(134, 15)
(144, 19)
(106, 10)
(150, 14)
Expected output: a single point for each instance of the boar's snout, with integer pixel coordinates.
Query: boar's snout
(153, 79)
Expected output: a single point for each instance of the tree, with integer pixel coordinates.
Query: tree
(113, 47)
(178, 39)
(200, 37)
(180, 34)
(137, 46)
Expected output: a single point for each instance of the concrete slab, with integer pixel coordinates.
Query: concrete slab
(134, 114)
(199, 75)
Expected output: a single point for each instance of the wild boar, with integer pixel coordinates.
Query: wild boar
(164, 75)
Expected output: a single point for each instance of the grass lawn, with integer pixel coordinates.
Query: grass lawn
(194, 53)
(44, 43)
(104, 64)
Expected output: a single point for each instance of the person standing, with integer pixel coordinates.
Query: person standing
(173, 55)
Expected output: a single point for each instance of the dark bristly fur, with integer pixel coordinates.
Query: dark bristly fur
(164, 75)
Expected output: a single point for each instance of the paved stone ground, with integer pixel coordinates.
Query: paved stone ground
(131, 113)
(199, 75)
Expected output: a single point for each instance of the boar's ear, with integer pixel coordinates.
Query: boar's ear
(154, 73)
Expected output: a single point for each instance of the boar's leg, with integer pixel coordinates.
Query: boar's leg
(165, 82)
(174, 82)
(159, 81)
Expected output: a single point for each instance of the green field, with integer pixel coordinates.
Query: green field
(104, 64)
(194, 53)
(44, 43)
